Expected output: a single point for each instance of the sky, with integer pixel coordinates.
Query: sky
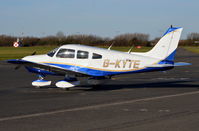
(105, 18)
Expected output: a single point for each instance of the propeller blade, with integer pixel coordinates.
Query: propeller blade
(17, 67)
(34, 53)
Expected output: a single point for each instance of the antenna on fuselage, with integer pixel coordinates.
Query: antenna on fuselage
(111, 45)
(130, 49)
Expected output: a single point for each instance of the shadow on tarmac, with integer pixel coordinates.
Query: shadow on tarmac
(167, 84)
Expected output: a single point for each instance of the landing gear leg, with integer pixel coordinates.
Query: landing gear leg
(40, 77)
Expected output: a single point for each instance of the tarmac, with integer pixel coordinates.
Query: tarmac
(162, 101)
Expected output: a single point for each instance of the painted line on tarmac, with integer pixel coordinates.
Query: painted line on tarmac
(94, 106)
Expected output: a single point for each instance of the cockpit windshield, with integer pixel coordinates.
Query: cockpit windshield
(51, 53)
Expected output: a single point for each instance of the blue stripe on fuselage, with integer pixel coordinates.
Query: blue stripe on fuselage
(92, 72)
(95, 72)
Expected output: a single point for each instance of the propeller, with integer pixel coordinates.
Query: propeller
(34, 53)
(17, 67)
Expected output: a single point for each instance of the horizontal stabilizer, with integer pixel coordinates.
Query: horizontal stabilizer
(170, 65)
(181, 64)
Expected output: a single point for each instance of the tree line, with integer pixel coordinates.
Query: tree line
(128, 39)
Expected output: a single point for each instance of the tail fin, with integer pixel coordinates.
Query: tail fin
(165, 49)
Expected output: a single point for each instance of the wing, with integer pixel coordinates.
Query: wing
(51, 68)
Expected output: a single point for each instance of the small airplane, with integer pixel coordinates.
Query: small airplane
(73, 61)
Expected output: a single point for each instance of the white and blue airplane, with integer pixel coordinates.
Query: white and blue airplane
(73, 61)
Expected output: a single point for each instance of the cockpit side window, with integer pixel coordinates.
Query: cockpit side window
(66, 53)
(82, 54)
(96, 56)
(51, 53)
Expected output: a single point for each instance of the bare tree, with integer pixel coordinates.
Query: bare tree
(60, 34)
(193, 36)
(85, 39)
(131, 38)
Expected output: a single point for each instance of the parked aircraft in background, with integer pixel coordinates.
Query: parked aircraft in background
(73, 61)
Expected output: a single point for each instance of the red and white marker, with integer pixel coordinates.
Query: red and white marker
(138, 47)
(16, 44)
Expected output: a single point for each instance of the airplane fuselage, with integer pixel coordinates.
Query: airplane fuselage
(97, 61)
